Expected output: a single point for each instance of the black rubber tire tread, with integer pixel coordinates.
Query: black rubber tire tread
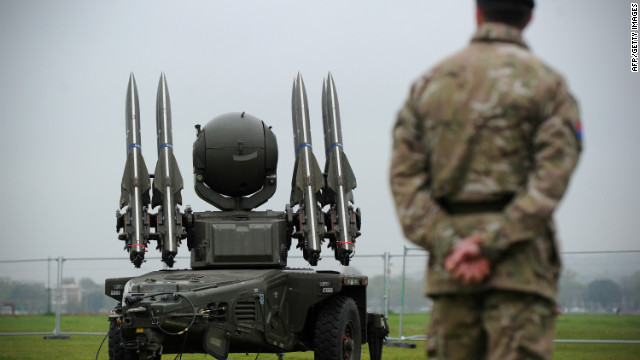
(117, 352)
(330, 325)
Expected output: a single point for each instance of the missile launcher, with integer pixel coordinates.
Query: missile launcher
(239, 296)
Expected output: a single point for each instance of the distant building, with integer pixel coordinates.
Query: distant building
(8, 309)
(71, 295)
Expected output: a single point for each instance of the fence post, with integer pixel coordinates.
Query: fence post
(57, 331)
(57, 334)
(404, 269)
(385, 295)
(49, 285)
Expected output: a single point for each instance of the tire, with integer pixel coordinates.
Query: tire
(117, 352)
(337, 333)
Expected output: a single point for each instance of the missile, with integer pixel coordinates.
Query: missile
(307, 177)
(167, 181)
(135, 183)
(342, 228)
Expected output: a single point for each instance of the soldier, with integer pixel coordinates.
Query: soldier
(483, 151)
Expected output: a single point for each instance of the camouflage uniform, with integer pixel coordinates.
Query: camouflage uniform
(485, 145)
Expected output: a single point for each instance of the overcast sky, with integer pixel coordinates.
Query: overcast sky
(65, 65)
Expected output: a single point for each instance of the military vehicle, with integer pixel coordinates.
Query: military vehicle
(239, 296)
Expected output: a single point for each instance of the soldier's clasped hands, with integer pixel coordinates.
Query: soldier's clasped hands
(466, 263)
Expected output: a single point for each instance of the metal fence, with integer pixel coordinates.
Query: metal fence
(396, 280)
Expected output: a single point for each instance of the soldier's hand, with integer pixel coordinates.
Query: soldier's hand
(472, 271)
(466, 263)
(465, 250)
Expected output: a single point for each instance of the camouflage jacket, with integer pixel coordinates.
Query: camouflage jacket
(491, 124)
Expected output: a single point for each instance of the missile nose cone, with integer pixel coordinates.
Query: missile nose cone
(301, 92)
(163, 113)
(132, 87)
(331, 91)
(163, 94)
(300, 113)
(331, 114)
(132, 98)
(162, 83)
(329, 76)
(132, 113)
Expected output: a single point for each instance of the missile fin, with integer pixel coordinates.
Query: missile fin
(315, 178)
(129, 181)
(163, 178)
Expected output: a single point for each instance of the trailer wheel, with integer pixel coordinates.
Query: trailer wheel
(116, 351)
(337, 331)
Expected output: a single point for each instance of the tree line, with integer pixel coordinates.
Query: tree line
(34, 298)
(600, 295)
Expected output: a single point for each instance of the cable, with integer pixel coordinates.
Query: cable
(184, 342)
(154, 320)
(105, 338)
(135, 299)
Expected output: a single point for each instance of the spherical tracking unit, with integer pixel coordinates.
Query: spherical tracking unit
(235, 158)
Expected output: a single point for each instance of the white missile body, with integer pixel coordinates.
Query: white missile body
(167, 180)
(135, 182)
(340, 180)
(307, 177)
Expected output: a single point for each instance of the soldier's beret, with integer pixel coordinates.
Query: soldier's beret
(528, 3)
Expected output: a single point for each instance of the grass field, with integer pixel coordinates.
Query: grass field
(600, 327)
